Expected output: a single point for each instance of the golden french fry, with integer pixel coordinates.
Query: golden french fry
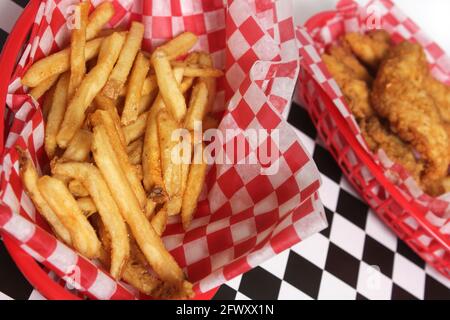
(56, 115)
(77, 189)
(169, 88)
(79, 147)
(197, 106)
(105, 103)
(209, 122)
(56, 64)
(87, 206)
(29, 176)
(159, 221)
(48, 101)
(205, 60)
(92, 180)
(134, 90)
(101, 15)
(150, 86)
(171, 168)
(101, 117)
(124, 64)
(192, 58)
(138, 169)
(146, 102)
(134, 151)
(43, 87)
(151, 163)
(194, 70)
(179, 45)
(150, 208)
(65, 206)
(148, 241)
(91, 85)
(77, 48)
(136, 129)
(194, 185)
(186, 84)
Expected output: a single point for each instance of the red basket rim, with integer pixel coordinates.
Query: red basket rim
(29, 267)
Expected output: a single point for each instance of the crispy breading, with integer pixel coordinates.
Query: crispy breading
(370, 48)
(344, 54)
(441, 96)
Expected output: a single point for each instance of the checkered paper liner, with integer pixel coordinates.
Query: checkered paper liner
(245, 215)
(377, 14)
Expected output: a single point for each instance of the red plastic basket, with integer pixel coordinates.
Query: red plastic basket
(365, 174)
(34, 273)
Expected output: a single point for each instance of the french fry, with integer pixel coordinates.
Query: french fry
(179, 45)
(77, 189)
(192, 58)
(120, 72)
(79, 147)
(138, 169)
(29, 176)
(91, 85)
(136, 129)
(56, 115)
(150, 208)
(92, 180)
(105, 103)
(197, 106)
(134, 90)
(205, 60)
(148, 87)
(151, 163)
(134, 151)
(77, 48)
(101, 15)
(101, 117)
(194, 70)
(146, 102)
(56, 64)
(48, 101)
(87, 206)
(169, 88)
(65, 206)
(194, 186)
(43, 87)
(171, 168)
(159, 221)
(148, 241)
(186, 84)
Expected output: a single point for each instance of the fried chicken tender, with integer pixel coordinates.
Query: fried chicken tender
(344, 54)
(378, 136)
(356, 91)
(399, 96)
(441, 96)
(370, 48)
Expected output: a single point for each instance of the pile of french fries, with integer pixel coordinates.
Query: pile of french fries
(110, 111)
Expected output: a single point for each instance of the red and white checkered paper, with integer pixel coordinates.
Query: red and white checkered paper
(244, 217)
(381, 14)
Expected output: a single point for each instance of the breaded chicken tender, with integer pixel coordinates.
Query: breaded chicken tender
(370, 48)
(441, 96)
(356, 91)
(344, 54)
(399, 96)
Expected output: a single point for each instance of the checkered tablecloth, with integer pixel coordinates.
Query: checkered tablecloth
(357, 257)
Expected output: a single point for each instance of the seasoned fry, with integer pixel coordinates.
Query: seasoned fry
(134, 91)
(148, 87)
(93, 181)
(105, 103)
(65, 206)
(134, 151)
(77, 189)
(48, 101)
(101, 15)
(29, 176)
(150, 208)
(138, 169)
(89, 88)
(197, 106)
(194, 71)
(101, 117)
(146, 102)
(136, 129)
(168, 86)
(87, 206)
(77, 48)
(151, 245)
(124, 64)
(79, 147)
(43, 87)
(194, 186)
(56, 64)
(159, 221)
(205, 60)
(56, 115)
(179, 45)
(171, 168)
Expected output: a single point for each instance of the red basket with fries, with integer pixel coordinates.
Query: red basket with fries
(418, 219)
(244, 215)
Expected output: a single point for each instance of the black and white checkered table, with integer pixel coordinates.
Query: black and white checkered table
(357, 257)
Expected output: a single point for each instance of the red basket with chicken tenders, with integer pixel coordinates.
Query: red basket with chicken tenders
(104, 106)
(377, 89)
